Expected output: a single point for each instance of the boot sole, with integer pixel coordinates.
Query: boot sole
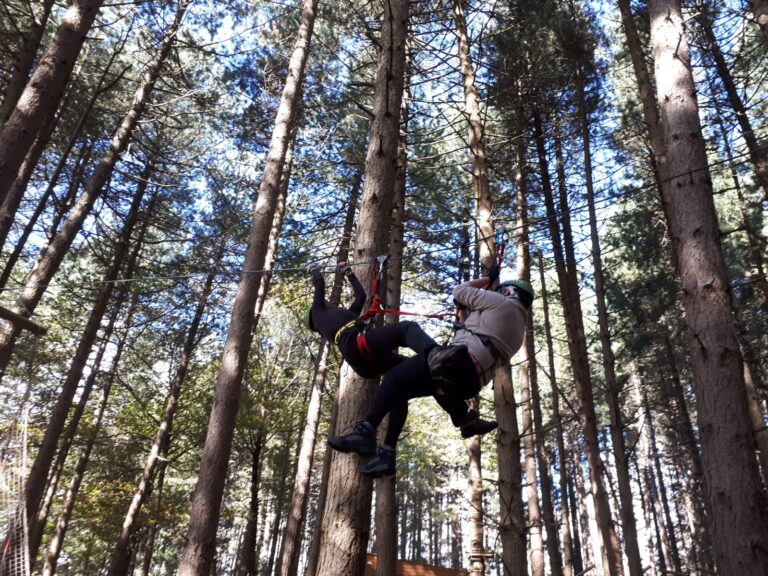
(377, 473)
(347, 449)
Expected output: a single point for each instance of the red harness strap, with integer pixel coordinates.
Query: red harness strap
(363, 348)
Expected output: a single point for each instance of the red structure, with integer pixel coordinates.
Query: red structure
(405, 568)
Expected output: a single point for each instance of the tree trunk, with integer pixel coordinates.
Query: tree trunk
(569, 294)
(580, 507)
(279, 511)
(648, 517)
(568, 562)
(345, 524)
(149, 547)
(248, 549)
(611, 385)
(689, 456)
(298, 506)
(526, 374)
(24, 60)
(477, 556)
(547, 507)
(456, 540)
(738, 502)
(37, 527)
(512, 525)
(199, 547)
(669, 527)
(52, 255)
(41, 96)
(739, 109)
(386, 489)
(512, 528)
(121, 553)
(40, 468)
(649, 477)
(313, 554)
(54, 548)
(13, 199)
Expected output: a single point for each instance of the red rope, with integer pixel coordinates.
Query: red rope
(376, 309)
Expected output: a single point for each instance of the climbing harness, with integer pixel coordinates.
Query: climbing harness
(365, 321)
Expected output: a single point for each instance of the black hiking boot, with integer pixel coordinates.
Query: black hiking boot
(383, 464)
(360, 440)
(472, 425)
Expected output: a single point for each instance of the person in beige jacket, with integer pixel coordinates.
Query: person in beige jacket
(491, 330)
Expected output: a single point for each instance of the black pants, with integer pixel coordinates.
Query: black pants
(410, 379)
(383, 343)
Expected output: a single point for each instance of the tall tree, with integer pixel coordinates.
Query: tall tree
(120, 561)
(297, 511)
(737, 499)
(41, 467)
(386, 487)
(345, 523)
(40, 99)
(53, 254)
(486, 253)
(612, 391)
(569, 295)
(25, 58)
(706, 21)
(199, 548)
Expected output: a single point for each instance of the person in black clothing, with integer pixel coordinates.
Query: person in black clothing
(372, 352)
(492, 330)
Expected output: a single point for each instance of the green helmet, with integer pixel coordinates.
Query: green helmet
(522, 286)
(308, 319)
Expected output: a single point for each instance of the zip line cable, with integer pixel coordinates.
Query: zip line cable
(533, 227)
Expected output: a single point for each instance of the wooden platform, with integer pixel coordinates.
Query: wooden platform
(406, 568)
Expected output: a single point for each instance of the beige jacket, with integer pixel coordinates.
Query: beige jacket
(499, 318)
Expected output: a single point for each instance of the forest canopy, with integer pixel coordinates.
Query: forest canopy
(169, 169)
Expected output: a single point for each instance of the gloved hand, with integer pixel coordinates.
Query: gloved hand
(313, 266)
(344, 268)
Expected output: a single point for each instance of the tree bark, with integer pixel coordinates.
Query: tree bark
(280, 503)
(247, 565)
(40, 468)
(569, 294)
(36, 529)
(526, 374)
(568, 561)
(62, 523)
(618, 444)
(41, 96)
(386, 488)
(24, 60)
(121, 553)
(345, 526)
(53, 254)
(10, 205)
(756, 155)
(149, 547)
(687, 453)
(199, 548)
(738, 502)
(512, 527)
(580, 508)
